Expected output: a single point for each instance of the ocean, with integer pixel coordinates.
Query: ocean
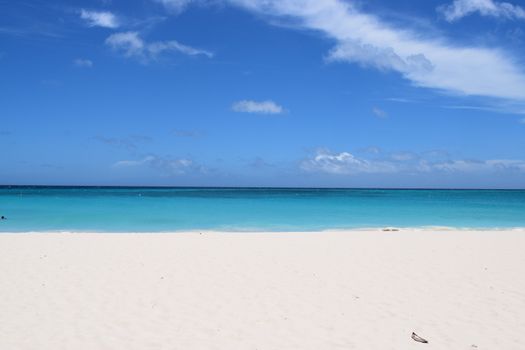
(149, 209)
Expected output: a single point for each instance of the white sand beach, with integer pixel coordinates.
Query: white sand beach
(325, 290)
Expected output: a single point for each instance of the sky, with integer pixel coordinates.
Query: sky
(285, 93)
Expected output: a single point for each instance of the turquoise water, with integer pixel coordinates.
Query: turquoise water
(172, 209)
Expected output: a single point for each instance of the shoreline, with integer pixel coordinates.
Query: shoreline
(265, 231)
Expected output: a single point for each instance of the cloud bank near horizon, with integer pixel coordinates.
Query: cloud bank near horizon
(346, 163)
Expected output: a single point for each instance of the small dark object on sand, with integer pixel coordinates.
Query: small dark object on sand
(418, 338)
(389, 229)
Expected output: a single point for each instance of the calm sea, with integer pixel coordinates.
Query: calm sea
(138, 209)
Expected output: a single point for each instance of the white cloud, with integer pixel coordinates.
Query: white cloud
(168, 166)
(82, 62)
(261, 107)
(425, 60)
(100, 19)
(345, 163)
(128, 42)
(431, 62)
(379, 112)
(461, 8)
(131, 44)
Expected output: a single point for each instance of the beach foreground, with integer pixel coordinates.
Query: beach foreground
(323, 290)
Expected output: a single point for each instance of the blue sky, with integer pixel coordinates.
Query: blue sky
(263, 93)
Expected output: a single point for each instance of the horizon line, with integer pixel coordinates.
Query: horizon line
(4, 186)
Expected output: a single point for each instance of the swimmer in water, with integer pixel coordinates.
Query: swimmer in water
(3, 218)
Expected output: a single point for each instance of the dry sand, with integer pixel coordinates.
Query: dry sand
(331, 290)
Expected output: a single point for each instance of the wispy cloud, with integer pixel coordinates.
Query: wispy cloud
(175, 6)
(400, 100)
(507, 107)
(462, 8)
(371, 150)
(260, 107)
(346, 163)
(172, 45)
(431, 62)
(476, 166)
(403, 156)
(82, 62)
(378, 112)
(167, 165)
(100, 18)
(130, 143)
(132, 45)
(36, 29)
(131, 163)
